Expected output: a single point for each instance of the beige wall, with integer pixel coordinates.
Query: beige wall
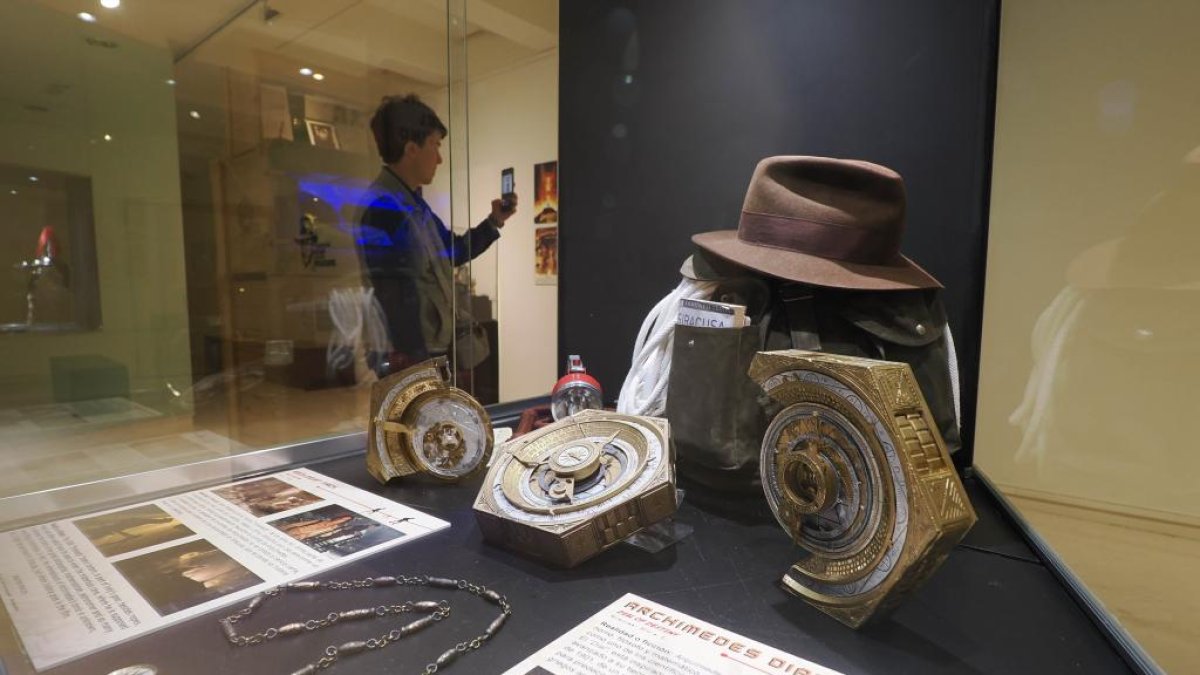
(89, 90)
(513, 119)
(1090, 379)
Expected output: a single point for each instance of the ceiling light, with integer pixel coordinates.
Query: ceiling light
(318, 77)
(33, 179)
(195, 114)
(12, 192)
(110, 4)
(306, 71)
(171, 82)
(84, 16)
(108, 137)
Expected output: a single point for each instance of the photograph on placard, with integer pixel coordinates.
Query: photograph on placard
(335, 529)
(131, 529)
(265, 497)
(183, 576)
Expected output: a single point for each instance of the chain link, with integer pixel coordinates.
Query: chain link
(438, 611)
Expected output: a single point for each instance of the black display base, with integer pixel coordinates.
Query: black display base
(994, 607)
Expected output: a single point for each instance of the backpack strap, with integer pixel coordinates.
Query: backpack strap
(799, 306)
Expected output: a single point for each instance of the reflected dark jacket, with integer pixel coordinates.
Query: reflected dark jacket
(408, 256)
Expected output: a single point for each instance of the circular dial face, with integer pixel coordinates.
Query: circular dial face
(822, 479)
(450, 433)
(833, 479)
(576, 470)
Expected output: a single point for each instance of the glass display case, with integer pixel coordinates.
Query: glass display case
(245, 238)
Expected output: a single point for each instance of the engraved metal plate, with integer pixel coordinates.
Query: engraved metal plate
(419, 423)
(857, 474)
(574, 488)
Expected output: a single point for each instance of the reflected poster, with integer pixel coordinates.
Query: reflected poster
(545, 193)
(545, 219)
(545, 256)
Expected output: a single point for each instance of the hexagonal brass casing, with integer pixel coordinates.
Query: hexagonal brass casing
(843, 415)
(559, 535)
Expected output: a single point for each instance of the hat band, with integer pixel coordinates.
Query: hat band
(836, 242)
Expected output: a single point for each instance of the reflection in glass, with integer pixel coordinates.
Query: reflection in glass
(1106, 407)
(194, 175)
(47, 248)
(409, 255)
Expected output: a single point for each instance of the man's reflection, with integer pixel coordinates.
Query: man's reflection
(408, 254)
(1108, 406)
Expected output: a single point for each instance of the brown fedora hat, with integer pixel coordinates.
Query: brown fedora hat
(822, 221)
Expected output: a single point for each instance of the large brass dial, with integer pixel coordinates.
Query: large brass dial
(856, 473)
(570, 490)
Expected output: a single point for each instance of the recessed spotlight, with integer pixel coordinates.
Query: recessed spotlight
(306, 71)
(86, 17)
(171, 82)
(318, 77)
(33, 179)
(195, 114)
(110, 4)
(108, 137)
(12, 192)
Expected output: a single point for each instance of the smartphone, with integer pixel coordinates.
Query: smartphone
(507, 188)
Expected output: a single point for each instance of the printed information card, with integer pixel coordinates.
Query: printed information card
(635, 636)
(76, 586)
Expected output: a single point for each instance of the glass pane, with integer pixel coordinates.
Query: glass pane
(1090, 352)
(185, 185)
(512, 106)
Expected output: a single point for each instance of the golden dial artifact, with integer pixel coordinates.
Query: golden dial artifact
(574, 488)
(419, 423)
(856, 472)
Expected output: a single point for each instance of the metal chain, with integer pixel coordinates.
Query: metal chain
(437, 611)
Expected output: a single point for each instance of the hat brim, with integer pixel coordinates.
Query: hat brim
(703, 265)
(904, 274)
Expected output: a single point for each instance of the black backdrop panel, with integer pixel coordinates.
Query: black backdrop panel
(666, 107)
